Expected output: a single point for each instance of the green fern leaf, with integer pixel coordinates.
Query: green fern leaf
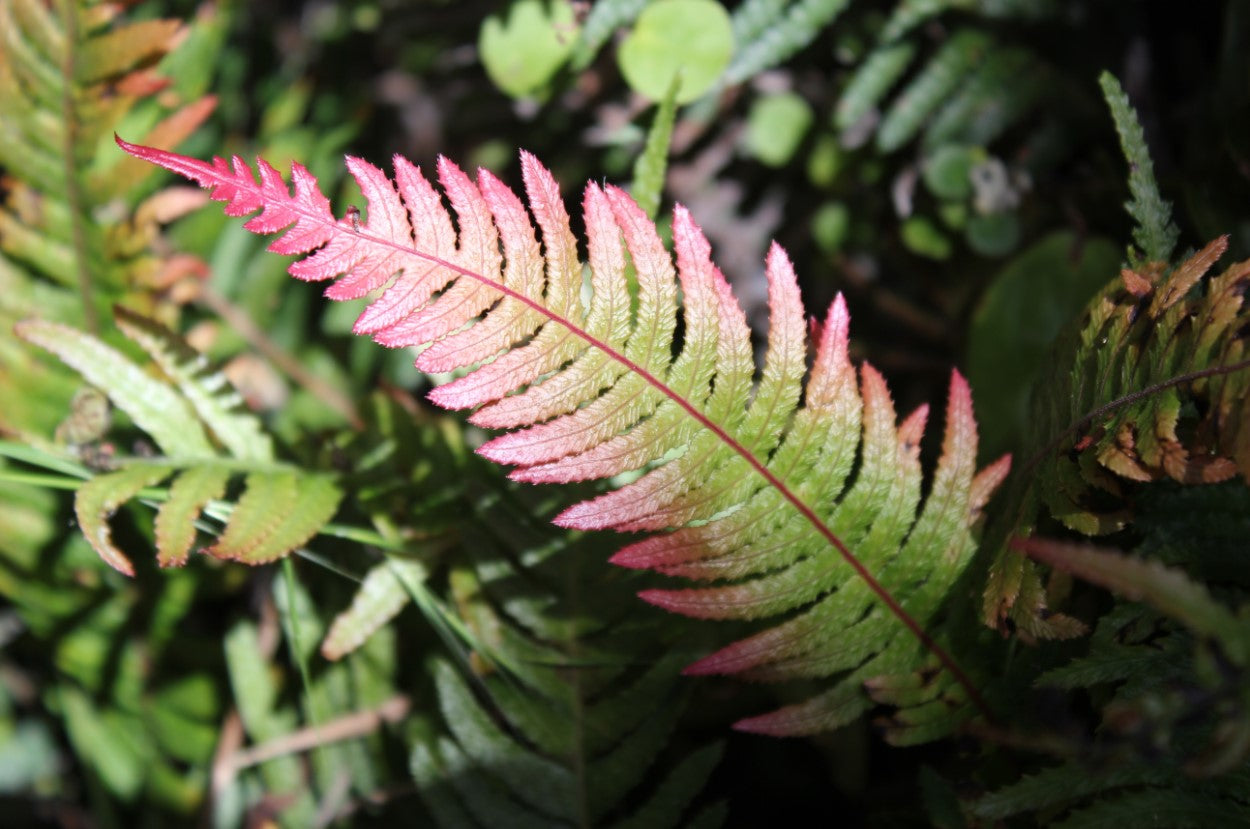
(189, 494)
(1160, 807)
(909, 14)
(1155, 233)
(650, 167)
(560, 688)
(870, 83)
(957, 57)
(791, 29)
(209, 393)
(998, 93)
(381, 596)
(1060, 784)
(153, 406)
(279, 509)
(604, 18)
(100, 497)
(277, 513)
(665, 807)
(1170, 591)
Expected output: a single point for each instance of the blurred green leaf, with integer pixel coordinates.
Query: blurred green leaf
(776, 126)
(690, 38)
(830, 225)
(947, 171)
(993, 234)
(1030, 300)
(522, 52)
(923, 238)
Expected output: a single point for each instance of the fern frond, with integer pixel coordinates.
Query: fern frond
(932, 86)
(1168, 590)
(209, 393)
(1155, 233)
(769, 33)
(978, 112)
(909, 14)
(504, 778)
(379, 599)
(969, 89)
(650, 166)
(155, 407)
(604, 18)
(279, 509)
(1154, 385)
(870, 83)
(756, 485)
(68, 73)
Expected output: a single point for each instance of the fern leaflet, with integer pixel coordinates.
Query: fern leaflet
(280, 508)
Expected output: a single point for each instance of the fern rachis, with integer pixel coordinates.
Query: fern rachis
(596, 391)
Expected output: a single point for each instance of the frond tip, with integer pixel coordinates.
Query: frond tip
(753, 488)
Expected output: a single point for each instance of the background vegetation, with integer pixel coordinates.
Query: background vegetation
(951, 166)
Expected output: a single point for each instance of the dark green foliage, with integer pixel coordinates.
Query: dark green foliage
(1168, 680)
(1031, 301)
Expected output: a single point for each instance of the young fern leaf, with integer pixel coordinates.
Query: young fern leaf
(280, 508)
(755, 484)
(1155, 233)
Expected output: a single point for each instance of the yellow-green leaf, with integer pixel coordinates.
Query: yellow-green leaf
(175, 523)
(100, 497)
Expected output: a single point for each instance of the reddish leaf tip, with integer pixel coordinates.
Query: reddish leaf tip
(707, 666)
(631, 557)
(765, 725)
(659, 598)
(583, 516)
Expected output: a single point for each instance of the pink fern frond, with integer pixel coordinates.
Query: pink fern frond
(759, 487)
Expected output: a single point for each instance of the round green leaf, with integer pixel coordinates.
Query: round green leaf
(691, 37)
(522, 53)
(776, 126)
(830, 225)
(996, 234)
(825, 161)
(1030, 300)
(954, 214)
(948, 171)
(923, 238)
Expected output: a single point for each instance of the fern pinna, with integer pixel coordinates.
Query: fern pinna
(754, 488)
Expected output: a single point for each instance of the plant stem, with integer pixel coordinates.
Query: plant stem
(69, 157)
(241, 322)
(1087, 420)
(347, 727)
